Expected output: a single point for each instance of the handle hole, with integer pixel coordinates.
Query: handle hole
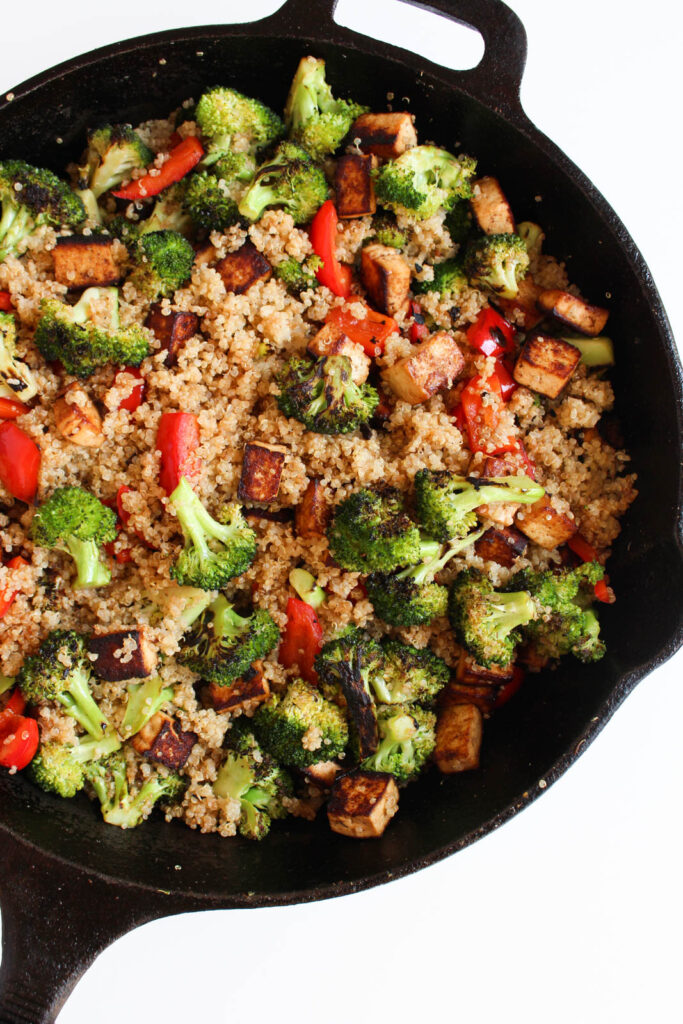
(439, 39)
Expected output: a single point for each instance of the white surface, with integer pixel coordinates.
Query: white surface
(572, 911)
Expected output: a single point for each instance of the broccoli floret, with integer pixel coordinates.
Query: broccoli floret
(565, 623)
(411, 597)
(336, 653)
(16, 379)
(459, 222)
(122, 807)
(113, 152)
(222, 645)
(75, 521)
(532, 235)
(60, 767)
(424, 180)
(289, 179)
(93, 213)
(88, 335)
(387, 232)
(446, 503)
(448, 277)
(225, 115)
(485, 621)
(300, 727)
(61, 671)
(314, 118)
(216, 550)
(407, 737)
(299, 277)
(211, 202)
(497, 263)
(321, 394)
(164, 263)
(30, 197)
(408, 674)
(144, 700)
(256, 780)
(168, 213)
(370, 531)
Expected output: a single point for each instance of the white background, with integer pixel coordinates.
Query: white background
(572, 912)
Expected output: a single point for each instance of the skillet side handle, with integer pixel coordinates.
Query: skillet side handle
(55, 921)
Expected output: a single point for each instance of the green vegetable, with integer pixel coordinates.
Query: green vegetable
(314, 118)
(321, 394)
(424, 180)
(75, 521)
(370, 531)
(446, 504)
(30, 197)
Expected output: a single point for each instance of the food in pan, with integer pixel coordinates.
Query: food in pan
(305, 460)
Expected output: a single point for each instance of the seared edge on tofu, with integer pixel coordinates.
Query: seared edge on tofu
(172, 330)
(261, 471)
(575, 312)
(362, 804)
(85, 261)
(430, 367)
(546, 364)
(162, 740)
(458, 738)
(353, 185)
(386, 275)
(122, 654)
(385, 135)
(545, 525)
(242, 269)
(491, 209)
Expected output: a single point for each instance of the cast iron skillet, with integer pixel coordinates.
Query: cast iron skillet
(71, 885)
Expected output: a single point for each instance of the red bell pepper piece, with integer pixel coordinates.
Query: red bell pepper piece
(580, 546)
(7, 596)
(334, 275)
(508, 384)
(18, 741)
(177, 440)
(418, 329)
(181, 160)
(19, 462)
(135, 398)
(301, 640)
(473, 413)
(10, 408)
(602, 591)
(12, 703)
(371, 332)
(6, 302)
(491, 334)
(509, 689)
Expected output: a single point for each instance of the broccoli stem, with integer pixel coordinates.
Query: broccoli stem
(435, 558)
(91, 570)
(78, 702)
(16, 222)
(197, 525)
(226, 622)
(507, 611)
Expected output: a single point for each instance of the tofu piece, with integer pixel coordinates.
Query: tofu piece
(502, 544)
(252, 688)
(85, 261)
(431, 366)
(323, 773)
(491, 209)
(353, 185)
(545, 525)
(469, 673)
(576, 313)
(458, 738)
(386, 275)
(313, 512)
(385, 135)
(546, 364)
(331, 341)
(261, 471)
(523, 309)
(172, 330)
(362, 804)
(111, 650)
(242, 269)
(481, 695)
(162, 740)
(77, 418)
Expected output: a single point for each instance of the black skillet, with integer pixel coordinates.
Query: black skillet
(71, 885)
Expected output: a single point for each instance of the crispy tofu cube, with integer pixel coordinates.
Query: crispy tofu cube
(84, 261)
(172, 330)
(252, 688)
(491, 209)
(469, 673)
(242, 269)
(458, 738)
(576, 313)
(77, 418)
(481, 695)
(261, 471)
(331, 341)
(353, 186)
(323, 773)
(122, 654)
(362, 804)
(545, 525)
(523, 309)
(386, 275)
(313, 512)
(431, 366)
(162, 740)
(546, 364)
(386, 135)
(503, 545)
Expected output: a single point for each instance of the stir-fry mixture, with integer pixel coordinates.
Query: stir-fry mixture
(303, 463)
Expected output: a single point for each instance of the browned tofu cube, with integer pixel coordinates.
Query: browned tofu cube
(252, 688)
(546, 364)
(469, 673)
(162, 740)
(331, 341)
(386, 275)
(431, 366)
(481, 695)
(353, 186)
(323, 773)
(261, 471)
(77, 418)
(522, 310)
(123, 654)
(491, 209)
(458, 738)
(545, 525)
(242, 269)
(313, 512)
(172, 330)
(576, 313)
(362, 804)
(84, 261)
(502, 544)
(386, 135)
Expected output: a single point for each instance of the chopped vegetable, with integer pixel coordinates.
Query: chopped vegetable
(333, 275)
(19, 462)
(181, 160)
(177, 440)
(302, 639)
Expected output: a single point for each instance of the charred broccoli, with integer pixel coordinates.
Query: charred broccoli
(211, 202)
(164, 262)
(446, 503)
(289, 179)
(424, 180)
(16, 379)
(336, 654)
(256, 780)
(387, 232)
(222, 645)
(321, 394)
(408, 674)
(314, 118)
(407, 737)
(485, 621)
(497, 263)
(298, 277)
(61, 767)
(30, 197)
(300, 727)
(371, 531)
(449, 277)
(113, 152)
(232, 123)
(75, 521)
(120, 805)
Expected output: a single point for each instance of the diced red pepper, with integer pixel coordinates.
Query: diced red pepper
(177, 440)
(135, 398)
(6, 302)
(602, 591)
(334, 275)
(19, 462)
(18, 741)
(472, 413)
(12, 703)
(509, 689)
(418, 330)
(181, 160)
(10, 408)
(301, 640)
(582, 548)
(491, 334)
(371, 332)
(7, 596)
(175, 139)
(508, 384)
